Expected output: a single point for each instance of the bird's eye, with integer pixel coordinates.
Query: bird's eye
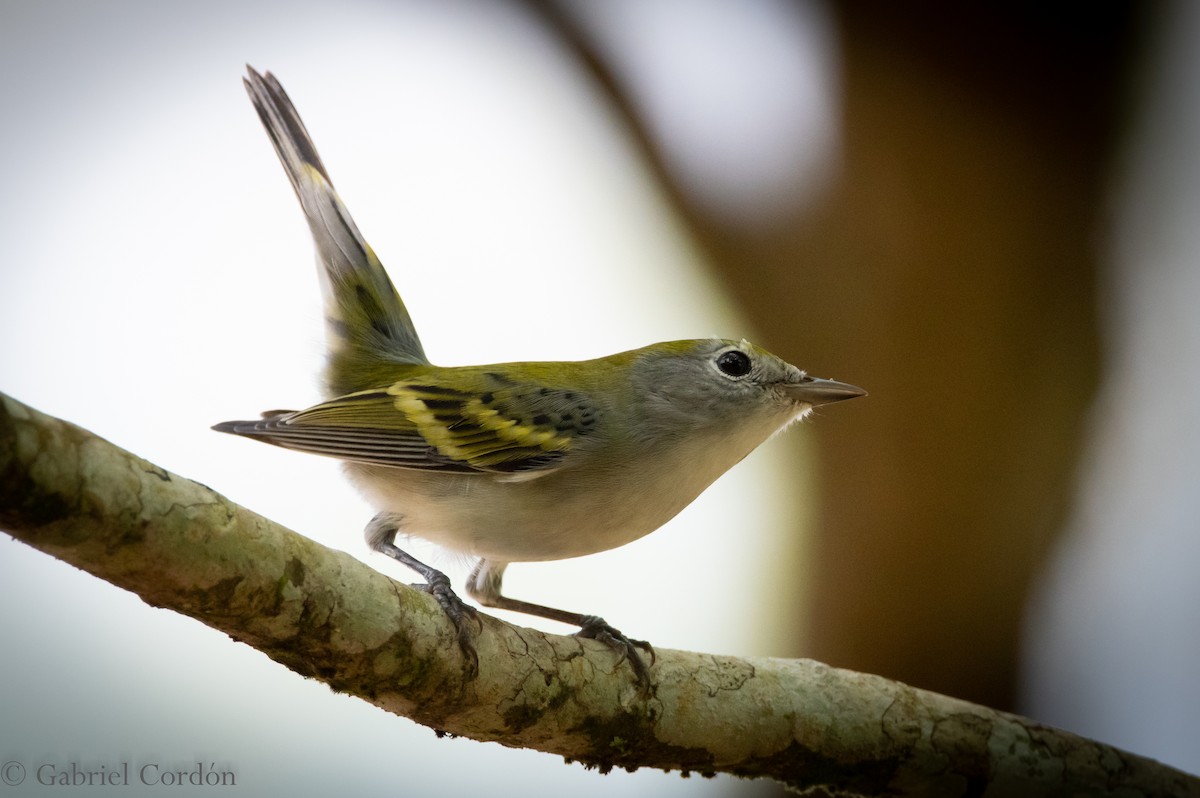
(734, 363)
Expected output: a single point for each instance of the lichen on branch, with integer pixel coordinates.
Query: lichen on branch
(321, 613)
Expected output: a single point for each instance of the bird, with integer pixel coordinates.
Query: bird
(510, 462)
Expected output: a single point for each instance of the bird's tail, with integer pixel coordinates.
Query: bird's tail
(367, 322)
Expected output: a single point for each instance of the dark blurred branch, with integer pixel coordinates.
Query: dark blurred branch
(324, 615)
(571, 32)
(951, 270)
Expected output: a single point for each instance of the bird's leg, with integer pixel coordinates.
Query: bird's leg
(381, 535)
(484, 583)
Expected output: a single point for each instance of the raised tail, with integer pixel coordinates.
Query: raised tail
(367, 323)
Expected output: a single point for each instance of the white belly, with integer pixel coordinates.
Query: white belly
(567, 513)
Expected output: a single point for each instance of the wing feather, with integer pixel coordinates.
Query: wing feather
(514, 429)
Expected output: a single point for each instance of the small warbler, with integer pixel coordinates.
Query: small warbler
(512, 462)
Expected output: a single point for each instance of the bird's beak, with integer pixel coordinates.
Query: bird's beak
(815, 392)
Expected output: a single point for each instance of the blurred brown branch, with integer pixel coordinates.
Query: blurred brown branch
(321, 613)
(950, 269)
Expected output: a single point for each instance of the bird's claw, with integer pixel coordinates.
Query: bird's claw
(596, 628)
(459, 613)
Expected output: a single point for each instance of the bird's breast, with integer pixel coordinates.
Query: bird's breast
(578, 509)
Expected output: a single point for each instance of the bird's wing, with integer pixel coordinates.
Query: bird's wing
(518, 431)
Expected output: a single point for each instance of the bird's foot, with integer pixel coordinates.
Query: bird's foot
(461, 614)
(598, 629)
(379, 534)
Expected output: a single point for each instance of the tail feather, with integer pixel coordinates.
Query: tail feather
(366, 319)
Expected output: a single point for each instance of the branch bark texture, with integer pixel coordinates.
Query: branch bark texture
(324, 615)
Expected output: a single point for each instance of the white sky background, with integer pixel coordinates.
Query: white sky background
(156, 277)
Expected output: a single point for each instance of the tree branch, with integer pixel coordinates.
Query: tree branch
(324, 615)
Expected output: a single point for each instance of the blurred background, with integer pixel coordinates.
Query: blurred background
(985, 215)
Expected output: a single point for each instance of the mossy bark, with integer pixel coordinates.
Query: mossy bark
(324, 615)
